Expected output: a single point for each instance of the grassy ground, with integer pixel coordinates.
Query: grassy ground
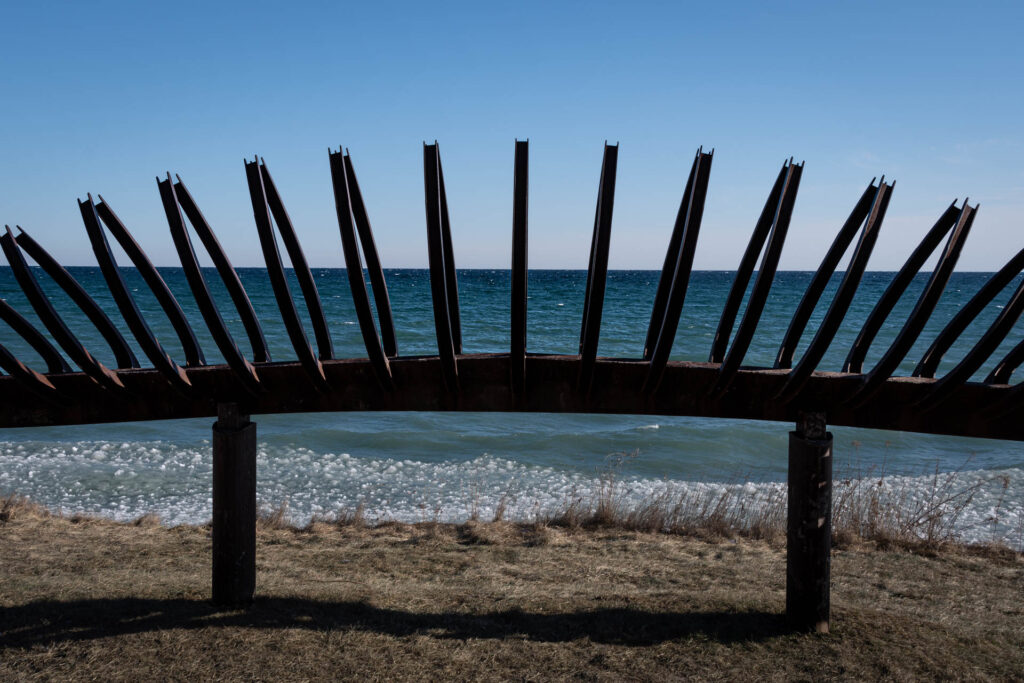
(97, 600)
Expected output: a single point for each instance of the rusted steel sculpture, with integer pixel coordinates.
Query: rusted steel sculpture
(794, 390)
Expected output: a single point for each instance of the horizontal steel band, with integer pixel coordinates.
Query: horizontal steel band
(485, 387)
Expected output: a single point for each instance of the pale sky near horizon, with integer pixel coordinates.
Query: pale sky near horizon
(102, 97)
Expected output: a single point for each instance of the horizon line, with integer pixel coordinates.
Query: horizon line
(482, 268)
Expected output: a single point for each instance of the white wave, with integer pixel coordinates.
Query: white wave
(124, 480)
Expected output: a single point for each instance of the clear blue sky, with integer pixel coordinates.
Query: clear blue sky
(101, 98)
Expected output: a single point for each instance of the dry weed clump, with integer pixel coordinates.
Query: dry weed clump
(355, 518)
(887, 511)
(891, 511)
(273, 519)
(14, 505)
(866, 508)
(147, 520)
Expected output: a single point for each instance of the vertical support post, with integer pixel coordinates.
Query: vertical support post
(234, 506)
(809, 525)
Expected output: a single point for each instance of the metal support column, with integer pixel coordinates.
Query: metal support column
(809, 525)
(234, 506)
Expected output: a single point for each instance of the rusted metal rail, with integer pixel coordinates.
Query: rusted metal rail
(517, 381)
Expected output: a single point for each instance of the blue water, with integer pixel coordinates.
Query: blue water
(427, 465)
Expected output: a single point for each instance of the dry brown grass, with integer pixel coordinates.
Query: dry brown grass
(90, 599)
(866, 507)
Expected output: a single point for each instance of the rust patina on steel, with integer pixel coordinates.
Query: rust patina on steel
(518, 380)
(792, 390)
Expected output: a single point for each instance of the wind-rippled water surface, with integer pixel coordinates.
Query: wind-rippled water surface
(413, 466)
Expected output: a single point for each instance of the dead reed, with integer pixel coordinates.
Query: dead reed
(867, 507)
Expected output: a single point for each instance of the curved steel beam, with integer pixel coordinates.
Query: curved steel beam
(227, 272)
(923, 309)
(52, 321)
(354, 269)
(597, 270)
(450, 274)
(552, 389)
(980, 352)
(373, 267)
(855, 359)
(668, 267)
(784, 358)
(161, 360)
(278, 281)
(879, 202)
(1002, 373)
(442, 270)
(55, 362)
(123, 355)
(763, 281)
(30, 379)
(307, 284)
(242, 368)
(172, 309)
(746, 268)
(955, 327)
(675, 275)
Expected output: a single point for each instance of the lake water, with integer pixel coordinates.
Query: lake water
(416, 466)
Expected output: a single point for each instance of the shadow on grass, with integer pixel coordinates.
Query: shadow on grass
(47, 622)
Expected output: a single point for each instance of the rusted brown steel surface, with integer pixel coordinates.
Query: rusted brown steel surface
(675, 274)
(443, 283)
(256, 174)
(597, 270)
(485, 386)
(345, 193)
(517, 380)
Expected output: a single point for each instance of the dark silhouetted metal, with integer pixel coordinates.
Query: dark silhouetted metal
(898, 285)
(879, 201)
(442, 269)
(675, 275)
(275, 270)
(597, 271)
(155, 282)
(765, 276)
(123, 356)
(668, 268)
(324, 345)
(28, 378)
(227, 272)
(520, 226)
(450, 274)
(923, 309)
(354, 267)
(981, 350)
(517, 380)
(746, 269)
(243, 369)
(100, 373)
(1003, 371)
(784, 358)
(373, 267)
(161, 360)
(55, 362)
(956, 326)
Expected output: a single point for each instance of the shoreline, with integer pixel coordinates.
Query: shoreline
(961, 507)
(711, 522)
